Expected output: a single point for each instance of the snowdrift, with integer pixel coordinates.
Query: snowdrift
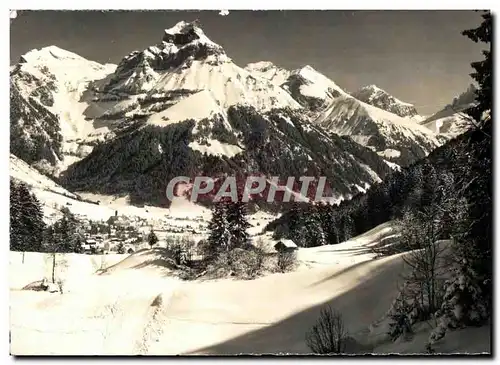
(139, 311)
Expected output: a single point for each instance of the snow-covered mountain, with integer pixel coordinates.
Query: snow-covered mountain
(49, 97)
(451, 120)
(400, 140)
(311, 88)
(269, 71)
(280, 142)
(375, 96)
(183, 107)
(63, 105)
(184, 63)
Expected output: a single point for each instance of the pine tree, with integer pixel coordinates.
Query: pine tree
(483, 69)
(16, 228)
(120, 248)
(296, 223)
(315, 236)
(467, 298)
(220, 237)
(152, 239)
(66, 235)
(238, 225)
(26, 219)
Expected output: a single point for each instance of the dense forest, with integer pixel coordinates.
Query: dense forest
(408, 189)
(280, 143)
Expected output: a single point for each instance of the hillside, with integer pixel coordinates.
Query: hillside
(399, 140)
(174, 317)
(460, 161)
(278, 143)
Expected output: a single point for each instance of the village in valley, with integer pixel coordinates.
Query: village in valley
(124, 233)
(128, 234)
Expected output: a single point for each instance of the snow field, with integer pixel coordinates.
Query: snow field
(144, 310)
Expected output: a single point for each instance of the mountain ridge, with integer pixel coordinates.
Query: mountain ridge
(373, 95)
(185, 103)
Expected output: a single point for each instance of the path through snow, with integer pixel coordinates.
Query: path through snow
(146, 311)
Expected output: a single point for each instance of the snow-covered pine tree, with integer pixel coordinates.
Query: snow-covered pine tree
(315, 235)
(347, 227)
(219, 237)
(468, 293)
(66, 235)
(27, 225)
(16, 229)
(329, 223)
(483, 69)
(238, 224)
(296, 224)
(464, 302)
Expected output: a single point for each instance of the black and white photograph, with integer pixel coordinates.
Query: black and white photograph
(250, 182)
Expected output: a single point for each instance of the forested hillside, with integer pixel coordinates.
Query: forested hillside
(280, 143)
(443, 205)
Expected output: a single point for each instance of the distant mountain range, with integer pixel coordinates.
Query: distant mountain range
(183, 107)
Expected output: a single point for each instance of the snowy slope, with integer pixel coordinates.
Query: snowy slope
(211, 317)
(307, 86)
(269, 71)
(311, 88)
(183, 216)
(53, 198)
(451, 126)
(20, 170)
(375, 96)
(228, 83)
(395, 138)
(197, 106)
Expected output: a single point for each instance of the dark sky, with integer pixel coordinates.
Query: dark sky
(418, 56)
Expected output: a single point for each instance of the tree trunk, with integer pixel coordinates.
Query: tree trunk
(23, 256)
(54, 267)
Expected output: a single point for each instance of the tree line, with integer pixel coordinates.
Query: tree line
(30, 233)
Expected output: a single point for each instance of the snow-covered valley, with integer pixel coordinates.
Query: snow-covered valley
(145, 311)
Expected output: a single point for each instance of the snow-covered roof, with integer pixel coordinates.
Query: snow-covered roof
(287, 243)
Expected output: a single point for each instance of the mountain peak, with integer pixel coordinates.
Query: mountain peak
(260, 65)
(48, 53)
(184, 33)
(374, 95)
(373, 87)
(268, 70)
(307, 69)
(181, 44)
